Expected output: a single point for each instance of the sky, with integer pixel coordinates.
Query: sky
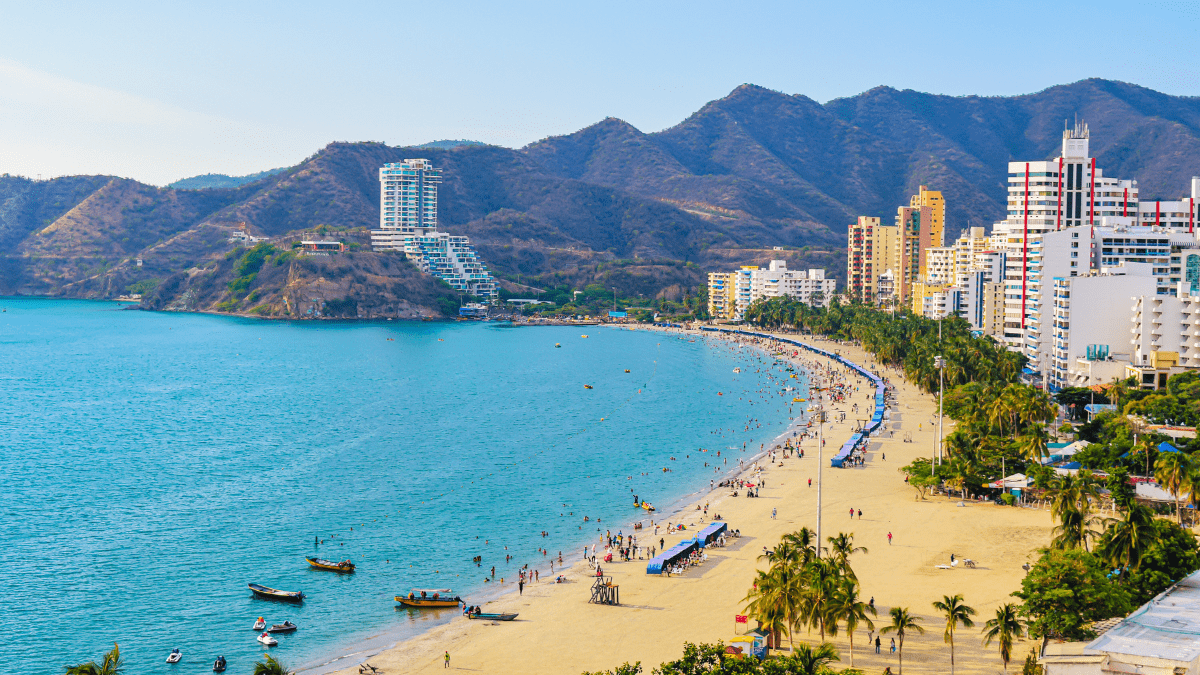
(159, 91)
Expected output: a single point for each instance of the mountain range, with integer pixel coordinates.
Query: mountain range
(648, 213)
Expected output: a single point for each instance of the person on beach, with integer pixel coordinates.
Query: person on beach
(889, 538)
(893, 645)
(772, 514)
(447, 660)
(877, 642)
(521, 586)
(860, 514)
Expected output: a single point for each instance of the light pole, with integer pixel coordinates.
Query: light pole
(820, 465)
(614, 298)
(940, 363)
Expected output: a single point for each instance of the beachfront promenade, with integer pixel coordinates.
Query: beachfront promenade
(559, 632)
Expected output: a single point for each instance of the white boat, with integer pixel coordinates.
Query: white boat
(260, 624)
(267, 640)
(737, 370)
(174, 656)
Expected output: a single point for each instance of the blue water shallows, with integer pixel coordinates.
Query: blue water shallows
(154, 464)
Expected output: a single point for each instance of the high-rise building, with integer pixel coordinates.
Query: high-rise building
(408, 222)
(872, 252)
(913, 241)
(722, 301)
(408, 202)
(937, 213)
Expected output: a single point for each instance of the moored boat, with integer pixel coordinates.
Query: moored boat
(267, 640)
(322, 564)
(219, 665)
(435, 597)
(174, 656)
(493, 617)
(260, 624)
(275, 594)
(285, 627)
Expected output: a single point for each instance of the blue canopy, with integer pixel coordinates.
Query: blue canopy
(1167, 447)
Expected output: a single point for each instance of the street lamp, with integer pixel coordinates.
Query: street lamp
(940, 364)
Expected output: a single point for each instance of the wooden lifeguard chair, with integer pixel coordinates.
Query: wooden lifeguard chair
(605, 592)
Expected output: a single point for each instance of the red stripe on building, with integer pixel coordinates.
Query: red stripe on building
(1025, 249)
(1125, 203)
(1157, 213)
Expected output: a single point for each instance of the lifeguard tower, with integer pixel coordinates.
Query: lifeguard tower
(605, 592)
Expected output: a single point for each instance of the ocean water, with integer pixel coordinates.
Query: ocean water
(154, 464)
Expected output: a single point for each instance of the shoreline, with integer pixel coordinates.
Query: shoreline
(559, 631)
(458, 629)
(384, 641)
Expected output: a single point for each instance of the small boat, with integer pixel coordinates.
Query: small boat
(557, 345)
(285, 627)
(737, 370)
(583, 336)
(322, 564)
(429, 597)
(627, 370)
(587, 386)
(174, 656)
(219, 665)
(267, 640)
(647, 506)
(269, 593)
(260, 624)
(492, 617)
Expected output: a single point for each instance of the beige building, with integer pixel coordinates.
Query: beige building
(937, 213)
(872, 252)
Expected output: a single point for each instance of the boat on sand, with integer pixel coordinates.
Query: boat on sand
(492, 617)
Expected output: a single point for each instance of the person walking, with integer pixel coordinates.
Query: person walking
(860, 514)
(772, 514)
(889, 538)
(877, 644)
(851, 514)
(521, 586)
(893, 645)
(446, 664)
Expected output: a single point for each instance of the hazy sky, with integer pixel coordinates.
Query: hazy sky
(158, 90)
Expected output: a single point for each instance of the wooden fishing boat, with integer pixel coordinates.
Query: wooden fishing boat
(322, 564)
(429, 597)
(493, 617)
(269, 593)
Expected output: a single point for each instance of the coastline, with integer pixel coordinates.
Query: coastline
(494, 597)
(560, 632)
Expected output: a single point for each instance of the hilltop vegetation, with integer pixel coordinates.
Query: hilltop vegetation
(610, 205)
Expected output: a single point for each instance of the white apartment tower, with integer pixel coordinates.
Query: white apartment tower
(408, 202)
(408, 222)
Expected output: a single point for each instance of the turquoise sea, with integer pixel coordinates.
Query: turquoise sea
(154, 464)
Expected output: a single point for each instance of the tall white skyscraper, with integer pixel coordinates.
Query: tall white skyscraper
(408, 202)
(408, 222)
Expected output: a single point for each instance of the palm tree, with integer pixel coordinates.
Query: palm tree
(109, 665)
(1128, 537)
(902, 622)
(1172, 471)
(1004, 628)
(270, 667)
(812, 661)
(847, 606)
(956, 613)
(841, 548)
(771, 603)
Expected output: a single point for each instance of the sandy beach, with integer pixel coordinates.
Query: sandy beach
(559, 632)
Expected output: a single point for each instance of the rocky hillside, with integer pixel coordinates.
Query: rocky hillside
(608, 205)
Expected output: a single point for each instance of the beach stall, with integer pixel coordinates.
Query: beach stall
(711, 533)
(842, 455)
(672, 555)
